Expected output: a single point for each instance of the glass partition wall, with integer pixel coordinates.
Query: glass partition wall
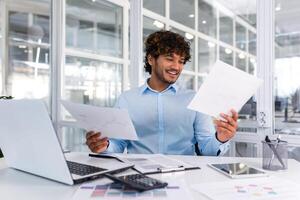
(96, 60)
(95, 55)
(286, 74)
(25, 48)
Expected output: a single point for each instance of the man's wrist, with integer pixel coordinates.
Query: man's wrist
(107, 144)
(216, 135)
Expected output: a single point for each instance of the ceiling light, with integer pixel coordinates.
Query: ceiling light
(241, 165)
(252, 60)
(158, 24)
(191, 16)
(278, 7)
(93, 0)
(242, 56)
(228, 51)
(22, 46)
(211, 44)
(203, 22)
(189, 36)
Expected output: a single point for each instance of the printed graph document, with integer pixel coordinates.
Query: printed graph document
(111, 122)
(224, 88)
(116, 191)
(156, 163)
(270, 188)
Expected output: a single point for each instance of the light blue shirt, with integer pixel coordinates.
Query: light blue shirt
(165, 125)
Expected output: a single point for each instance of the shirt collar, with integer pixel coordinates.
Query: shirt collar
(144, 88)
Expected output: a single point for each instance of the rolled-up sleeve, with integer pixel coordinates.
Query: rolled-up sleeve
(116, 146)
(205, 136)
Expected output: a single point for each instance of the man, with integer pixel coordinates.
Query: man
(158, 109)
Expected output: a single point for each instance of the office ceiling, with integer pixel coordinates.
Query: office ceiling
(287, 15)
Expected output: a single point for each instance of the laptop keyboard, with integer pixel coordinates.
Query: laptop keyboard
(82, 169)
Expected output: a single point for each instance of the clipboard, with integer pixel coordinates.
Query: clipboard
(150, 164)
(156, 163)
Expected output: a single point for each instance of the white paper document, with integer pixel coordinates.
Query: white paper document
(270, 188)
(111, 122)
(155, 163)
(95, 190)
(224, 88)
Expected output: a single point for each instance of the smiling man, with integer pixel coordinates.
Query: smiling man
(159, 111)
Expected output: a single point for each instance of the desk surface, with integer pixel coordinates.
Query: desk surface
(18, 185)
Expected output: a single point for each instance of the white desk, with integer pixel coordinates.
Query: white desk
(18, 185)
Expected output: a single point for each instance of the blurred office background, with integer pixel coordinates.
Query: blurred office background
(84, 56)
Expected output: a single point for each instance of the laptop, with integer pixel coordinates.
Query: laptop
(29, 143)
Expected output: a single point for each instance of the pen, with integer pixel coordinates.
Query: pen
(171, 169)
(104, 156)
(273, 148)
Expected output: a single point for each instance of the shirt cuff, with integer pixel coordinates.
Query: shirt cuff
(110, 147)
(222, 146)
(216, 135)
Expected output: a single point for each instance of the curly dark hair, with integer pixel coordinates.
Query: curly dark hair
(165, 42)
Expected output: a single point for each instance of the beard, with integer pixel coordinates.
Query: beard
(161, 75)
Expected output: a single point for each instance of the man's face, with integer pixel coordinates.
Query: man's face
(167, 68)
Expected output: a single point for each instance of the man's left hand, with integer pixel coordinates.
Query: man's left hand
(226, 129)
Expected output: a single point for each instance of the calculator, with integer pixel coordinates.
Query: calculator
(139, 182)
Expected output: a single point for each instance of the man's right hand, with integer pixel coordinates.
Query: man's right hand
(95, 143)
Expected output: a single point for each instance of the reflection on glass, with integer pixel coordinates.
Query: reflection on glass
(226, 29)
(226, 55)
(286, 69)
(245, 149)
(18, 25)
(207, 55)
(150, 26)
(249, 12)
(248, 111)
(240, 36)
(207, 20)
(92, 82)
(186, 81)
(28, 69)
(251, 65)
(29, 27)
(294, 152)
(40, 30)
(189, 37)
(252, 43)
(241, 61)
(183, 11)
(245, 9)
(73, 139)
(200, 81)
(85, 34)
(157, 6)
(230, 34)
(94, 26)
